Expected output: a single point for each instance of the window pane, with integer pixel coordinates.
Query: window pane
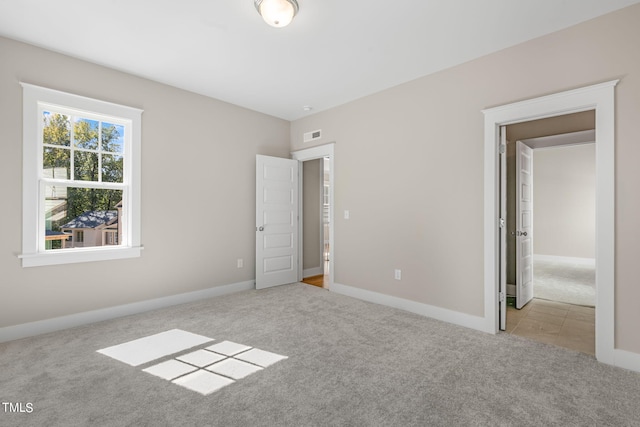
(112, 168)
(85, 133)
(81, 217)
(85, 166)
(56, 163)
(112, 137)
(56, 129)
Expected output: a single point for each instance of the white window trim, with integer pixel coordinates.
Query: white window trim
(32, 226)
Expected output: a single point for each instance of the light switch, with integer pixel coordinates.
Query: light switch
(346, 214)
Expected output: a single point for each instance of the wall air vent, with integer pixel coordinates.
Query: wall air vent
(313, 135)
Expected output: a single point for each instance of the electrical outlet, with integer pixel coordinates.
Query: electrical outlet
(240, 263)
(397, 274)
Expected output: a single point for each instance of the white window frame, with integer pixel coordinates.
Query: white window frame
(33, 228)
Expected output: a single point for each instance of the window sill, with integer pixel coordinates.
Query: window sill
(69, 256)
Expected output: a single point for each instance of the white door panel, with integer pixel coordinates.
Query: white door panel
(276, 221)
(524, 224)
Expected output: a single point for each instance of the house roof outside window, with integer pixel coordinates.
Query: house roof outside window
(55, 235)
(93, 219)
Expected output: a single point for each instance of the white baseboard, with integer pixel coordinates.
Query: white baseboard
(621, 358)
(626, 359)
(24, 330)
(439, 313)
(565, 259)
(310, 272)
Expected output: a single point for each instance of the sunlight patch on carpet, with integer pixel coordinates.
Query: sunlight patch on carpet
(228, 348)
(260, 357)
(205, 370)
(204, 382)
(171, 369)
(234, 368)
(148, 349)
(201, 358)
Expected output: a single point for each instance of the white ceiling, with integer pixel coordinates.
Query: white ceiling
(334, 51)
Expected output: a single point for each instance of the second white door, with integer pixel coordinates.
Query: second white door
(524, 224)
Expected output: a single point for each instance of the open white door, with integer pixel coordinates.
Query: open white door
(524, 224)
(502, 295)
(276, 221)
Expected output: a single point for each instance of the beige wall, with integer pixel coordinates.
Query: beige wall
(312, 223)
(198, 191)
(564, 201)
(409, 165)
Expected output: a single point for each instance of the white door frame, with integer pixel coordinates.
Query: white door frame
(318, 152)
(599, 97)
(502, 228)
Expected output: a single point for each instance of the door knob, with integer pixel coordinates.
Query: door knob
(261, 228)
(521, 233)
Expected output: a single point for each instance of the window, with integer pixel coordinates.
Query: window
(81, 174)
(110, 237)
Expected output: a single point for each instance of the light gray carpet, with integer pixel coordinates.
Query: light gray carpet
(567, 282)
(351, 363)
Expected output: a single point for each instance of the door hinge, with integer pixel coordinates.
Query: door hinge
(502, 148)
(501, 223)
(501, 296)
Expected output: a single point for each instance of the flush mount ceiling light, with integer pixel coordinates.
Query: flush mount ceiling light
(277, 13)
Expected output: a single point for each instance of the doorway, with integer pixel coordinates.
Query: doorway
(561, 307)
(320, 232)
(316, 251)
(601, 98)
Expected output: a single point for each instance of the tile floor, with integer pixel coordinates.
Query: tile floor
(564, 325)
